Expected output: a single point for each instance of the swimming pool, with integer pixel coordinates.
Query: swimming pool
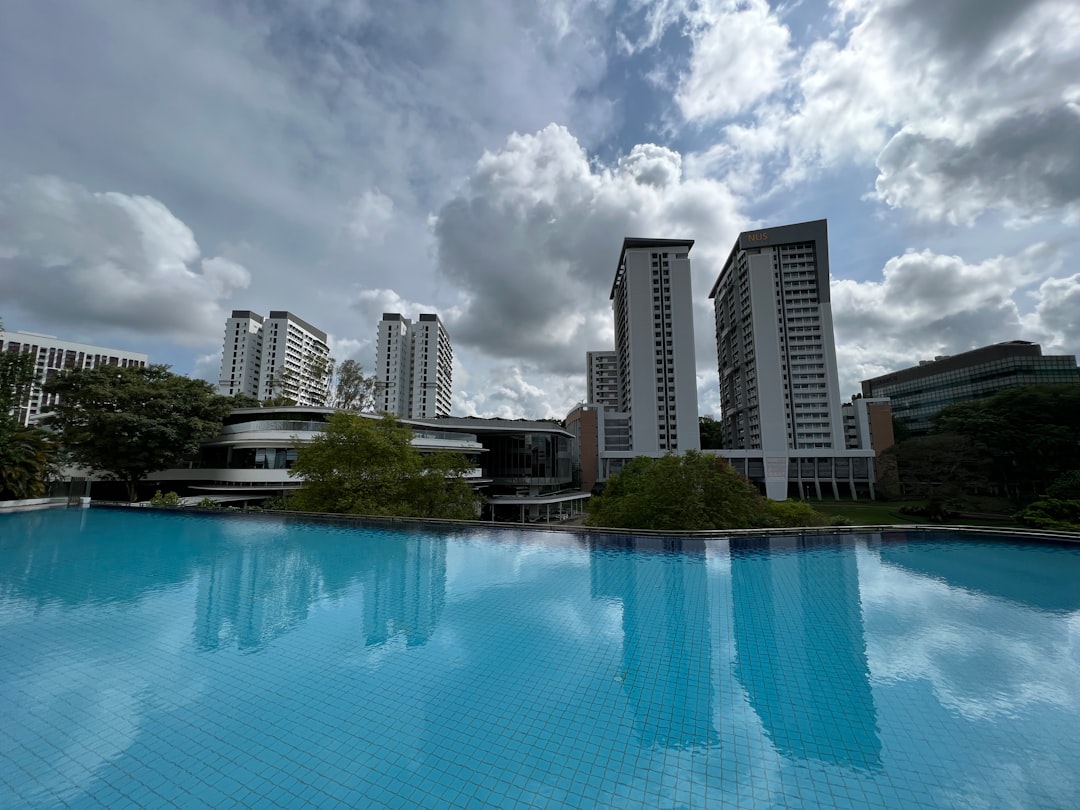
(155, 658)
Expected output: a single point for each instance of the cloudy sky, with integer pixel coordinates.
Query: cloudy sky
(163, 163)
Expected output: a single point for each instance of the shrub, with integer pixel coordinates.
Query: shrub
(1066, 487)
(1051, 513)
(276, 503)
(168, 499)
(792, 514)
(207, 503)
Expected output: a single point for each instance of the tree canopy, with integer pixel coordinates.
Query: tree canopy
(353, 390)
(25, 452)
(129, 422)
(366, 466)
(711, 433)
(941, 466)
(17, 373)
(694, 491)
(1031, 434)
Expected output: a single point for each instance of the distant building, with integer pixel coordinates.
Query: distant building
(868, 424)
(602, 441)
(53, 355)
(281, 356)
(241, 355)
(654, 345)
(602, 378)
(919, 392)
(413, 367)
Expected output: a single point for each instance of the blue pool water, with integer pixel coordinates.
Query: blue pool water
(153, 659)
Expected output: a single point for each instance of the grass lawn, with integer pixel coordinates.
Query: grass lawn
(877, 513)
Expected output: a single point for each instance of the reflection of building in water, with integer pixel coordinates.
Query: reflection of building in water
(667, 651)
(801, 651)
(404, 592)
(252, 594)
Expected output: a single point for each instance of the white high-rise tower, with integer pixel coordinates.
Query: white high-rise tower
(413, 367)
(776, 351)
(279, 356)
(654, 344)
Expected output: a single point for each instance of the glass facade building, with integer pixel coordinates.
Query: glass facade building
(919, 392)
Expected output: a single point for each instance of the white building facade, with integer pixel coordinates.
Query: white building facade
(602, 378)
(654, 345)
(413, 367)
(280, 356)
(53, 355)
(776, 353)
(779, 388)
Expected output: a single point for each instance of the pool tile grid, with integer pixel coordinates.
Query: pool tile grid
(769, 697)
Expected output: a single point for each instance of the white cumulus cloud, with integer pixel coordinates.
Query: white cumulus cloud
(77, 258)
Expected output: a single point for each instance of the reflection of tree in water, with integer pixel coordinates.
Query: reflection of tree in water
(801, 650)
(98, 556)
(667, 652)
(256, 577)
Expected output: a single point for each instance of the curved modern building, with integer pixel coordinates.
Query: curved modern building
(524, 468)
(251, 457)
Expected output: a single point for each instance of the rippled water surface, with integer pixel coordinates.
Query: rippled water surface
(158, 658)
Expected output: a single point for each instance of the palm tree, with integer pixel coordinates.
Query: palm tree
(25, 455)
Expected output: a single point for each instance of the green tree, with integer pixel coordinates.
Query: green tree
(25, 452)
(1066, 487)
(129, 422)
(25, 456)
(319, 369)
(941, 467)
(17, 375)
(1032, 434)
(712, 433)
(242, 400)
(365, 466)
(1059, 508)
(694, 491)
(353, 390)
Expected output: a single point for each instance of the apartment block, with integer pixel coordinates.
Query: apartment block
(781, 413)
(53, 355)
(654, 345)
(776, 351)
(602, 378)
(280, 356)
(413, 367)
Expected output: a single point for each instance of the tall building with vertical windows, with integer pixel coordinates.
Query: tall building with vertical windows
(413, 366)
(53, 355)
(241, 357)
(779, 388)
(654, 345)
(281, 355)
(602, 377)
